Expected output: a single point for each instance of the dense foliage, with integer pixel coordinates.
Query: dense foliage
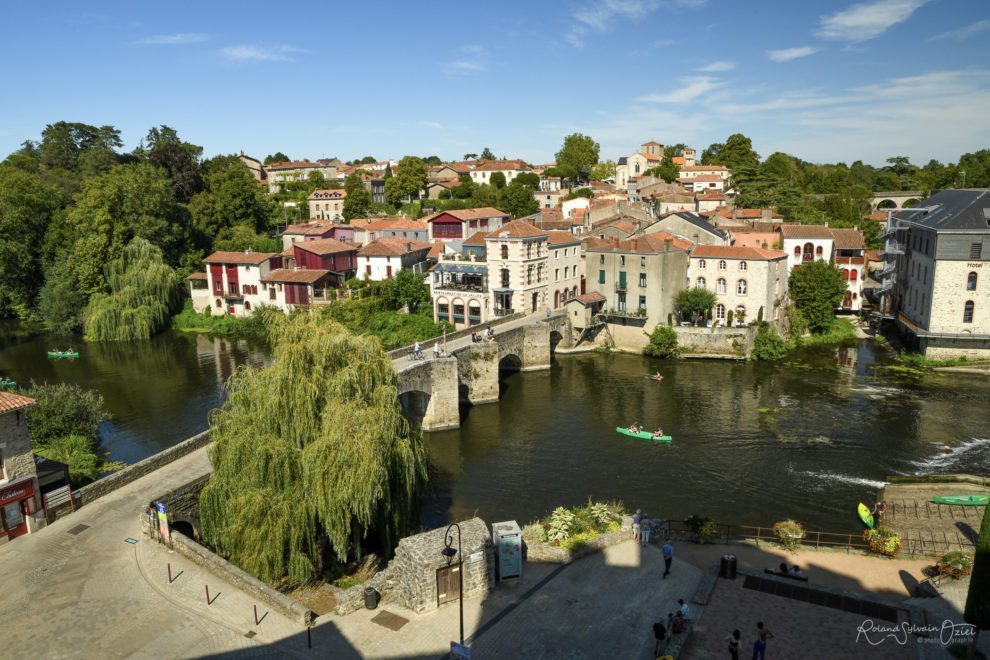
(144, 294)
(663, 342)
(768, 345)
(692, 302)
(64, 426)
(817, 289)
(977, 610)
(313, 460)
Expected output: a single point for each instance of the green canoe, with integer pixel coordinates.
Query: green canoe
(8, 386)
(964, 500)
(61, 354)
(642, 435)
(865, 515)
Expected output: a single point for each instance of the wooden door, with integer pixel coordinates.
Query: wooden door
(448, 584)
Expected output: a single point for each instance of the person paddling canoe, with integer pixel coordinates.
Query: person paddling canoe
(658, 434)
(658, 377)
(635, 427)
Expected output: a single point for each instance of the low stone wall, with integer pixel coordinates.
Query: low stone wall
(551, 554)
(426, 345)
(716, 340)
(182, 503)
(245, 582)
(121, 478)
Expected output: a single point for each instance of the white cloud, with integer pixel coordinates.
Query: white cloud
(964, 32)
(462, 67)
(867, 20)
(173, 39)
(598, 16)
(245, 52)
(788, 54)
(719, 66)
(694, 88)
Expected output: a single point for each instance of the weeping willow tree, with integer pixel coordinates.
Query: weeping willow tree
(144, 293)
(312, 456)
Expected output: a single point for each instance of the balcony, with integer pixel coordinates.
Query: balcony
(505, 311)
(621, 286)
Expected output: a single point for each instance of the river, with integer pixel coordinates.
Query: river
(752, 442)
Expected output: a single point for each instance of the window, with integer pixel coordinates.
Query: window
(968, 312)
(621, 302)
(622, 260)
(529, 274)
(700, 283)
(721, 265)
(776, 288)
(845, 274)
(720, 286)
(601, 258)
(818, 251)
(505, 251)
(854, 274)
(797, 250)
(742, 265)
(741, 287)
(971, 282)
(556, 254)
(505, 278)
(976, 250)
(247, 305)
(642, 303)
(218, 303)
(601, 277)
(701, 264)
(740, 314)
(556, 275)
(642, 262)
(642, 280)
(720, 312)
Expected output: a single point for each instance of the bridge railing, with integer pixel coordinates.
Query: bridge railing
(425, 344)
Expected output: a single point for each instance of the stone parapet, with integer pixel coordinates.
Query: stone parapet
(546, 553)
(237, 577)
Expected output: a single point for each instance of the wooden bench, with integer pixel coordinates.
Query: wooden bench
(800, 578)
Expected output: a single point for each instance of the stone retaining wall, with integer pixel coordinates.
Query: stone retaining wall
(716, 340)
(121, 478)
(237, 577)
(551, 554)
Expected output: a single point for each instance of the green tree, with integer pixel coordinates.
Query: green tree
(470, 156)
(433, 160)
(497, 180)
(59, 302)
(603, 171)
(691, 302)
(241, 237)
(977, 611)
(578, 151)
(367, 160)
(357, 200)
(817, 289)
(62, 143)
(667, 170)
(409, 181)
(338, 468)
(528, 180)
(487, 154)
(738, 152)
(768, 345)
(674, 150)
(516, 201)
(277, 157)
(144, 294)
(411, 290)
(587, 193)
(26, 209)
(663, 342)
(712, 155)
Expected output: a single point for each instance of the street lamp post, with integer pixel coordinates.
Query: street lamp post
(449, 553)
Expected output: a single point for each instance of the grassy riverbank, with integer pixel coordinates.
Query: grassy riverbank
(227, 325)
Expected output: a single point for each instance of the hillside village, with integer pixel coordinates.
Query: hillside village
(614, 251)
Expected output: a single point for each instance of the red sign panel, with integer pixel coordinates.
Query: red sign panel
(17, 492)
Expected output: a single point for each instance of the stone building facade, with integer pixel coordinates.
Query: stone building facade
(744, 280)
(21, 510)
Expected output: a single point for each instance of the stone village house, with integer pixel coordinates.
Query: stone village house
(21, 509)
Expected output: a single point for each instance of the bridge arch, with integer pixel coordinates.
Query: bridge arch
(910, 203)
(509, 362)
(887, 204)
(415, 404)
(555, 338)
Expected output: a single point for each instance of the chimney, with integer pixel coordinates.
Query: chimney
(668, 245)
(766, 214)
(615, 242)
(248, 251)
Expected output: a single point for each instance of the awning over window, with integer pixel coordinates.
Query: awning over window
(448, 267)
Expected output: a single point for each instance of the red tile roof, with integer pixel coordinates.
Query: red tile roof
(651, 243)
(309, 228)
(304, 276)
(477, 238)
(588, 298)
(248, 257)
(516, 229)
(704, 168)
(703, 177)
(324, 246)
(805, 231)
(10, 402)
(291, 165)
(652, 142)
(396, 223)
(562, 238)
(467, 214)
(848, 239)
(196, 276)
(436, 250)
(392, 246)
(735, 252)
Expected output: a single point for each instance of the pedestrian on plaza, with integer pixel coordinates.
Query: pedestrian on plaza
(670, 620)
(677, 626)
(548, 312)
(762, 635)
(668, 557)
(644, 529)
(734, 644)
(660, 633)
(684, 608)
(637, 520)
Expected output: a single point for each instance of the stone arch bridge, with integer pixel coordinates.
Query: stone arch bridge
(432, 390)
(891, 199)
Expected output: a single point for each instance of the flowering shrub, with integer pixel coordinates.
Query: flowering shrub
(883, 541)
(789, 533)
(955, 564)
(600, 513)
(560, 525)
(571, 528)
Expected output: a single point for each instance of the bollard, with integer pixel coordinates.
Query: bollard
(170, 573)
(255, 615)
(207, 594)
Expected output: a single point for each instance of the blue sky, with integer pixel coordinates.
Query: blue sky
(824, 81)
